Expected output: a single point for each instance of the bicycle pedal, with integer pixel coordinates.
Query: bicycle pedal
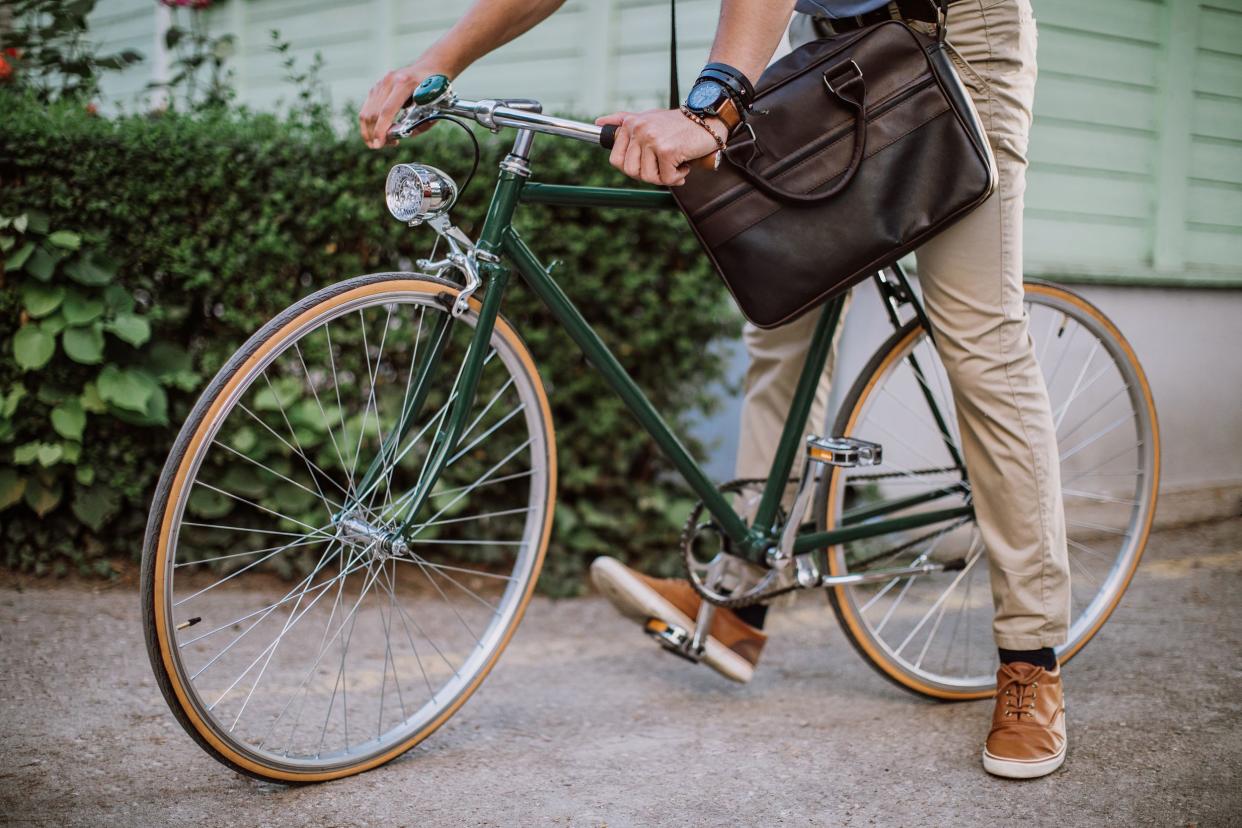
(844, 451)
(672, 638)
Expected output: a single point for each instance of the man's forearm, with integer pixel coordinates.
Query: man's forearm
(486, 26)
(749, 32)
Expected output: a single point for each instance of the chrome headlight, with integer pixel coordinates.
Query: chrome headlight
(417, 192)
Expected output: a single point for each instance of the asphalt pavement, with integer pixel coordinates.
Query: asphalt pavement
(584, 722)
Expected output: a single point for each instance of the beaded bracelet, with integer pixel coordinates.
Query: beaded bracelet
(698, 119)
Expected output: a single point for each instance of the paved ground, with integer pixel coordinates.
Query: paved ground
(585, 723)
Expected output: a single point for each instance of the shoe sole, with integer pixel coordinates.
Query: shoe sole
(636, 600)
(1020, 769)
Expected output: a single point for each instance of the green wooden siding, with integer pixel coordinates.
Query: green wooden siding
(1136, 156)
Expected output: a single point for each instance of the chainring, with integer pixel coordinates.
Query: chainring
(763, 585)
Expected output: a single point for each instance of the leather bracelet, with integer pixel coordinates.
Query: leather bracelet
(736, 83)
(698, 119)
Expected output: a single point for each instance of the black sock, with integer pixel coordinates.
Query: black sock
(1045, 657)
(753, 614)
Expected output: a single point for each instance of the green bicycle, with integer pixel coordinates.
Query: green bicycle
(350, 524)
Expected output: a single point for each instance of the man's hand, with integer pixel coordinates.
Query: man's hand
(385, 100)
(656, 146)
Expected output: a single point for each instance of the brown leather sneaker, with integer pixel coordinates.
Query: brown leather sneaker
(1028, 725)
(732, 647)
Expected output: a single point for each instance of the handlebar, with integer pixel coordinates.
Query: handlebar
(496, 114)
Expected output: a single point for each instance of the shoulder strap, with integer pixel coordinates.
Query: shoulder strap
(674, 96)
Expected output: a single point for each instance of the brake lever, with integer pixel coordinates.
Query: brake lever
(412, 120)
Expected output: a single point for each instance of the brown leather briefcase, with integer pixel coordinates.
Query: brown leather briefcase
(857, 149)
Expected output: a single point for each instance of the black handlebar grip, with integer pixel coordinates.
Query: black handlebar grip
(608, 136)
(409, 102)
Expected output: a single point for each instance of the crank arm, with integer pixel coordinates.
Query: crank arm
(872, 576)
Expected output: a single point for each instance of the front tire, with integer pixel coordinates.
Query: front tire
(327, 650)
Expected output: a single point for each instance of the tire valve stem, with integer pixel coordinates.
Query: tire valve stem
(185, 625)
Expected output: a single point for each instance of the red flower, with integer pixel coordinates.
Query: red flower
(6, 71)
(92, 109)
(13, 52)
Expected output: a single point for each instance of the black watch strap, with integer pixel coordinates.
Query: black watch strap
(733, 80)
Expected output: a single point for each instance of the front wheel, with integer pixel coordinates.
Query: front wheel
(932, 633)
(293, 635)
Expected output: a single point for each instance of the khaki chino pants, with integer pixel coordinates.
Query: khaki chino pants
(971, 279)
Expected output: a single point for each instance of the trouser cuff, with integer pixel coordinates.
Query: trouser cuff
(1028, 642)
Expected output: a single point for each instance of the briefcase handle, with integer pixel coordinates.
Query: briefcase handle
(845, 83)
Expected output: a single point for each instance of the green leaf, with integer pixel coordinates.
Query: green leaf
(53, 325)
(245, 480)
(244, 440)
(19, 223)
(95, 505)
(8, 403)
(42, 497)
(84, 474)
(24, 455)
(208, 504)
(33, 347)
(126, 388)
(19, 258)
(118, 299)
(90, 271)
(41, 265)
(12, 485)
(50, 393)
(72, 452)
(80, 309)
(49, 454)
(40, 300)
(91, 401)
(69, 419)
(172, 366)
(36, 221)
(279, 394)
(84, 345)
(66, 239)
(131, 328)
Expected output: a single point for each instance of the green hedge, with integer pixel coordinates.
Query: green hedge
(156, 244)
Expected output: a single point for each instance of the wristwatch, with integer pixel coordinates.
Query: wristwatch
(710, 99)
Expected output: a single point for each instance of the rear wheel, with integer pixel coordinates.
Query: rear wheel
(932, 633)
(292, 636)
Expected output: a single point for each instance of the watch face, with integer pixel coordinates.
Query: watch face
(705, 97)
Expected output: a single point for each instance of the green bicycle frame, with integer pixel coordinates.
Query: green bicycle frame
(499, 238)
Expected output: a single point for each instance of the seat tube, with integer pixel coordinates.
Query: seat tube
(795, 424)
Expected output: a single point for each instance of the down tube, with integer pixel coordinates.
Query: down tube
(615, 375)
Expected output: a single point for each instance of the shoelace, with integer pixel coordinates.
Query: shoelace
(1016, 704)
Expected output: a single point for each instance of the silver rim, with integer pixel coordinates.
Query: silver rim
(359, 647)
(936, 629)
